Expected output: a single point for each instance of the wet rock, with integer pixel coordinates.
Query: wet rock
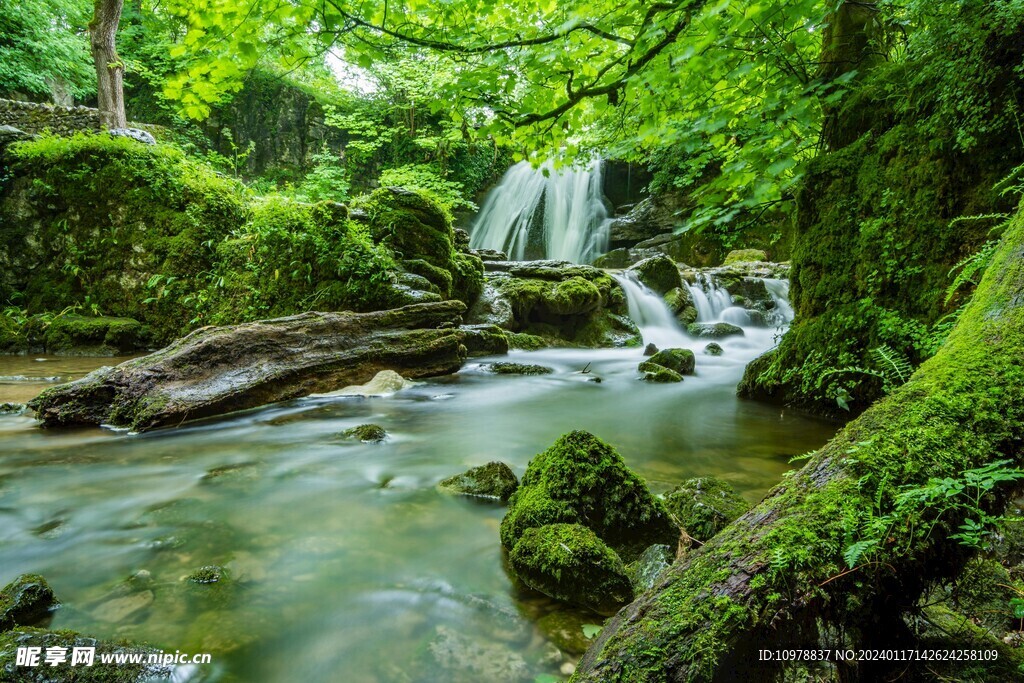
(650, 350)
(714, 330)
(384, 383)
(461, 239)
(680, 360)
(506, 368)
(368, 433)
(209, 574)
(491, 308)
(12, 408)
(486, 255)
(652, 372)
(745, 256)
(704, 506)
(26, 601)
(645, 570)
(568, 630)
(713, 349)
(121, 609)
(95, 336)
(569, 562)
(680, 301)
(495, 480)
(136, 134)
(582, 480)
(659, 273)
(484, 340)
(216, 370)
(10, 641)
(465, 660)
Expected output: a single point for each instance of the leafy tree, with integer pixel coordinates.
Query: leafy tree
(109, 67)
(44, 49)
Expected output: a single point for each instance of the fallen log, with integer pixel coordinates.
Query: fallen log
(780, 575)
(218, 370)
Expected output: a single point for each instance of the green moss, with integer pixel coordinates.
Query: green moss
(659, 273)
(569, 562)
(25, 601)
(652, 372)
(744, 256)
(679, 360)
(680, 302)
(493, 480)
(506, 368)
(95, 335)
(526, 342)
(704, 506)
(10, 641)
(368, 433)
(580, 479)
(208, 574)
(983, 591)
(713, 330)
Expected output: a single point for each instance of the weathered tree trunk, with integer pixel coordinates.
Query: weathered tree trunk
(777, 576)
(217, 370)
(109, 68)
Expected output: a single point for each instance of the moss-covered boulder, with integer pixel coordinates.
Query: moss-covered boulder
(713, 349)
(569, 562)
(10, 670)
(211, 573)
(495, 481)
(582, 480)
(12, 408)
(652, 372)
(704, 506)
(507, 368)
(659, 273)
(680, 301)
(680, 360)
(95, 336)
(745, 256)
(644, 571)
(368, 433)
(714, 330)
(26, 601)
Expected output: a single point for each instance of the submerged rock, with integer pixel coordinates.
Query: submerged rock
(582, 480)
(659, 273)
(507, 368)
(652, 372)
(368, 433)
(680, 360)
(467, 660)
(495, 480)
(704, 506)
(209, 574)
(26, 601)
(713, 349)
(714, 330)
(569, 562)
(216, 370)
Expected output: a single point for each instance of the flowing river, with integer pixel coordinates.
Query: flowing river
(346, 562)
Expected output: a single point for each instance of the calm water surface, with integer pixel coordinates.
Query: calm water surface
(348, 564)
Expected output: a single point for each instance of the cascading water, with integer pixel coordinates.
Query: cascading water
(650, 313)
(545, 213)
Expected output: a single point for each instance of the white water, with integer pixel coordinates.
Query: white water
(575, 218)
(659, 326)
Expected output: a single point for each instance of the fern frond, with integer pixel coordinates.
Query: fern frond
(973, 265)
(896, 367)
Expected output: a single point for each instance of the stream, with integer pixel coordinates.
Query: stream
(346, 562)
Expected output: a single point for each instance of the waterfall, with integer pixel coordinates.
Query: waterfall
(545, 213)
(709, 298)
(651, 314)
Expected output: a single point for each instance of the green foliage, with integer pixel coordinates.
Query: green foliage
(43, 44)
(326, 181)
(427, 179)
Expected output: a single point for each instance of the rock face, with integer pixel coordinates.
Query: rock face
(704, 506)
(495, 480)
(222, 369)
(580, 494)
(25, 601)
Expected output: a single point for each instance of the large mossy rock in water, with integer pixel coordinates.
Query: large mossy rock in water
(495, 481)
(557, 302)
(704, 506)
(569, 562)
(680, 360)
(25, 601)
(582, 480)
(222, 369)
(659, 273)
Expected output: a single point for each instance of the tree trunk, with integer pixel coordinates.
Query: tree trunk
(777, 577)
(109, 68)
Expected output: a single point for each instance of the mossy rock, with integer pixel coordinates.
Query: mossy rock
(652, 372)
(704, 506)
(659, 273)
(209, 574)
(680, 360)
(680, 301)
(95, 336)
(644, 571)
(10, 641)
(569, 562)
(26, 601)
(582, 480)
(12, 408)
(713, 349)
(983, 591)
(526, 342)
(507, 368)
(714, 330)
(495, 480)
(368, 433)
(745, 256)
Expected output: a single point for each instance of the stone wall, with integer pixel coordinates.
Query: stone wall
(34, 118)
